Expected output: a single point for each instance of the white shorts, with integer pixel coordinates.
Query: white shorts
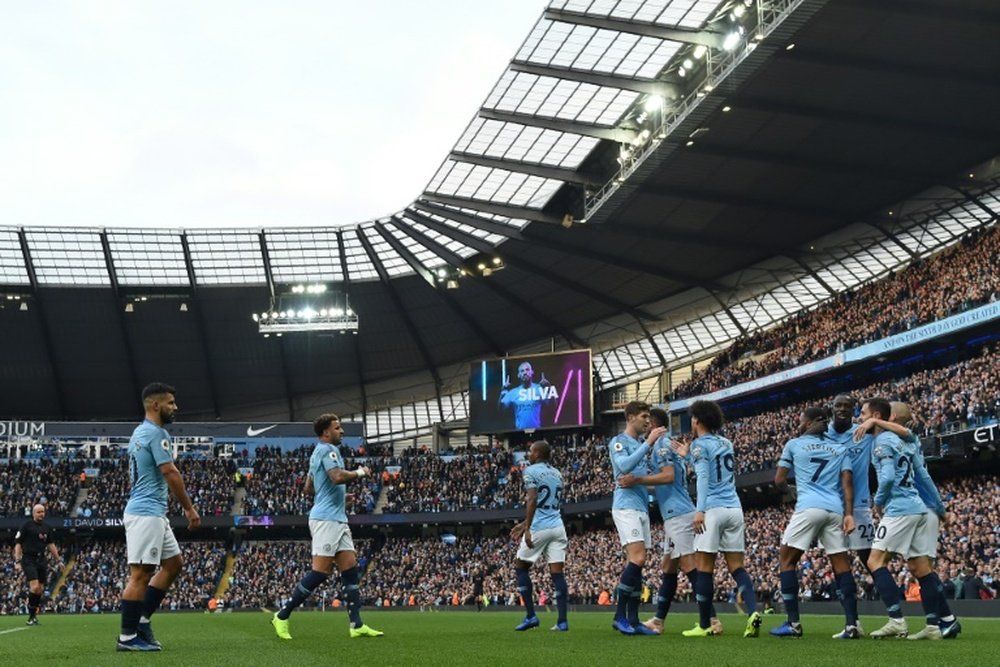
(330, 537)
(925, 542)
(898, 534)
(149, 540)
(633, 526)
(864, 533)
(812, 525)
(678, 535)
(550, 542)
(723, 531)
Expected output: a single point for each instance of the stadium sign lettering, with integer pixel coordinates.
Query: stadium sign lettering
(985, 434)
(537, 393)
(22, 428)
(93, 522)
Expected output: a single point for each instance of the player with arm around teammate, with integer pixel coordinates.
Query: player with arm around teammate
(824, 512)
(541, 534)
(718, 521)
(671, 460)
(630, 512)
(331, 536)
(926, 540)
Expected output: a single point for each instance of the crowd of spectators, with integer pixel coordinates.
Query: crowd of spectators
(961, 277)
(277, 485)
(209, 483)
(266, 572)
(53, 483)
(956, 396)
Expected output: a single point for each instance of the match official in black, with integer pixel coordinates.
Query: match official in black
(33, 539)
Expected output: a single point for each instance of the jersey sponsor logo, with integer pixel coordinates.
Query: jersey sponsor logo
(254, 432)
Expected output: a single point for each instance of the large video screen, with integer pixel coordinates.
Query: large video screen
(531, 392)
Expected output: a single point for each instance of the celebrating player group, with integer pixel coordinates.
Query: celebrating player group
(829, 462)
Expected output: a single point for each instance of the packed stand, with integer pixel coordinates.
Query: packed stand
(277, 485)
(954, 397)
(209, 483)
(53, 483)
(95, 583)
(958, 279)
(266, 573)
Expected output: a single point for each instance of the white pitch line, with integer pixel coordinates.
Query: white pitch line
(7, 632)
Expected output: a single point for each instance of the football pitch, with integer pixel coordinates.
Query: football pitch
(468, 638)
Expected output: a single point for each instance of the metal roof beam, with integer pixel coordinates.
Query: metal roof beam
(195, 309)
(686, 35)
(532, 169)
(620, 135)
(359, 366)
(494, 285)
(59, 387)
(475, 221)
(426, 274)
(281, 347)
(120, 314)
(968, 73)
(665, 89)
(495, 208)
(411, 326)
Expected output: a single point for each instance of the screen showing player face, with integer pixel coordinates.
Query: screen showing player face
(529, 393)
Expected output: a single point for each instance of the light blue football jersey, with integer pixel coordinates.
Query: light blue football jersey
(860, 455)
(148, 449)
(673, 499)
(527, 405)
(714, 465)
(329, 498)
(894, 462)
(548, 482)
(628, 455)
(817, 462)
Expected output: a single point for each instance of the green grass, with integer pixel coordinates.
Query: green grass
(467, 638)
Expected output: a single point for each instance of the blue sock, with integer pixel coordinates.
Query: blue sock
(349, 580)
(632, 610)
(302, 591)
(888, 591)
(847, 591)
(931, 591)
(790, 594)
(524, 588)
(154, 596)
(561, 595)
(692, 576)
(131, 611)
(745, 586)
(631, 578)
(703, 591)
(664, 596)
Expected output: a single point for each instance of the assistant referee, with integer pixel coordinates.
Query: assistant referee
(31, 542)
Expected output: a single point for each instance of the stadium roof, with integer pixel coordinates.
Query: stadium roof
(656, 178)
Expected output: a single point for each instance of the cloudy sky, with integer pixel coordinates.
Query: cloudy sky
(215, 113)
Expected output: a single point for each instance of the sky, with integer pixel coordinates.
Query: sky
(224, 113)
